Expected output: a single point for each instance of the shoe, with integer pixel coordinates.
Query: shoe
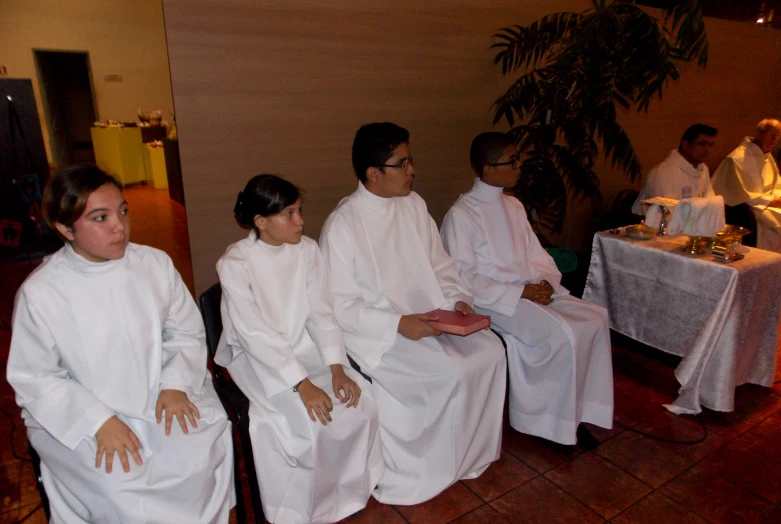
(586, 439)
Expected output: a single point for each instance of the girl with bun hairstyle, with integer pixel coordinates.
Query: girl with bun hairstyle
(108, 362)
(313, 425)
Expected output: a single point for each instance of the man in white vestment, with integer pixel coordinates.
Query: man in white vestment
(440, 397)
(749, 175)
(683, 174)
(558, 346)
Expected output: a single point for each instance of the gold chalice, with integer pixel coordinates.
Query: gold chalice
(697, 245)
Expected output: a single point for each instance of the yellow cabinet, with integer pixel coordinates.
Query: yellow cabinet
(118, 152)
(154, 165)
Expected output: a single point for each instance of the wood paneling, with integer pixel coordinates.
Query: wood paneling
(282, 87)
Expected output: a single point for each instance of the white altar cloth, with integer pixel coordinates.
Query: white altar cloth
(723, 319)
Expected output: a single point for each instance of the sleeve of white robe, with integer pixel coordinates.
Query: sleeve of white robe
(354, 315)
(267, 349)
(738, 186)
(459, 238)
(321, 323)
(184, 343)
(540, 260)
(653, 187)
(62, 406)
(445, 270)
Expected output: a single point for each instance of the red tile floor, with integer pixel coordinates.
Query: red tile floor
(733, 475)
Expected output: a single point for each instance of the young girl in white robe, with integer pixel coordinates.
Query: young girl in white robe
(314, 435)
(108, 362)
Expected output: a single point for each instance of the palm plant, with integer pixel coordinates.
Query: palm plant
(576, 70)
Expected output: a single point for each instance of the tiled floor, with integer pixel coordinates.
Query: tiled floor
(733, 475)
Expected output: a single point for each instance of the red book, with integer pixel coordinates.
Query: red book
(456, 323)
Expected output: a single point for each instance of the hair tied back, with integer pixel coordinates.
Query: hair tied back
(239, 203)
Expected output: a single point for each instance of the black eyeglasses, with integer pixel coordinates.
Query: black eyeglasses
(402, 164)
(513, 161)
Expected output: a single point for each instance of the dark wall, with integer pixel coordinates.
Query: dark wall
(21, 92)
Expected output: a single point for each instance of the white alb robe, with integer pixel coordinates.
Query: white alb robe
(558, 355)
(440, 399)
(279, 328)
(750, 176)
(674, 178)
(93, 340)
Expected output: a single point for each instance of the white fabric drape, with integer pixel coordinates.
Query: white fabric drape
(697, 217)
(95, 340)
(440, 399)
(558, 355)
(722, 319)
(279, 328)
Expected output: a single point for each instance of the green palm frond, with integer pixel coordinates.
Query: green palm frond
(575, 71)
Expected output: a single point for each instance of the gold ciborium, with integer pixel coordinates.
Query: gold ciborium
(729, 235)
(732, 234)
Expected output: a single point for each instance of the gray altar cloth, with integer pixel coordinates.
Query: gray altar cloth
(723, 319)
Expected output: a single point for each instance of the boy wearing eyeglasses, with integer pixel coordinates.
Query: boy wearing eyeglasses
(558, 346)
(440, 397)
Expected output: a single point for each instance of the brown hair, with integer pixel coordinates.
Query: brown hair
(66, 194)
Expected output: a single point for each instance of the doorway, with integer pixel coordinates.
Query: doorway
(66, 90)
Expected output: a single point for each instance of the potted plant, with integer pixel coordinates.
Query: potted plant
(576, 70)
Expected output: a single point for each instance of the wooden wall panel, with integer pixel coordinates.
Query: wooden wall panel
(281, 87)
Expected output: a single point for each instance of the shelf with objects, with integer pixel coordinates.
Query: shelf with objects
(144, 152)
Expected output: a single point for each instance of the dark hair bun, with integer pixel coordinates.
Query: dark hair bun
(238, 211)
(265, 195)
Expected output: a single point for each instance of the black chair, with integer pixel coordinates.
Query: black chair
(36, 461)
(741, 215)
(357, 368)
(501, 338)
(236, 404)
(620, 213)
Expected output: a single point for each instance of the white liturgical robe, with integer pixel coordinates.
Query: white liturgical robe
(558, 355)
(750, 176)
(278, 329)
(93, 340)
(440, 399)
(674, 178)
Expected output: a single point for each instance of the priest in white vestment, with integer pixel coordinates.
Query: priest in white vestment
(108, 362)
(683, 174)
(749, 175)
(558, 346)
(440, 397)
(279, 337)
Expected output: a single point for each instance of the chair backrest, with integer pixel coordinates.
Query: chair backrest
(212, 320)
(741, 215)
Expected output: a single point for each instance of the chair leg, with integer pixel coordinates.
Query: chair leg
(249, 464)
(241, 510)
(36, 461)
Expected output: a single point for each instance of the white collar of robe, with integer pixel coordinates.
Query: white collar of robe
(374, 200)
(81, 265)
(485, 192)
